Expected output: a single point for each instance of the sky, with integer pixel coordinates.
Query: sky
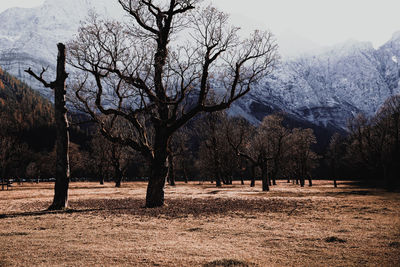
(322, 22)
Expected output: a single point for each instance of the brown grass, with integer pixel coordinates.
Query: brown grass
(201, 226)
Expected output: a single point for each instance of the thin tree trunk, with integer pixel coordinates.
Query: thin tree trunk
(185, 174)
(60, 200)
(265, 180)
(253, 176)
(218, 179)
(334, 183)
(302, 181)
(171, 171)
(118, 176)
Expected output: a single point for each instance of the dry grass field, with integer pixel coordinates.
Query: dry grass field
(201, 226)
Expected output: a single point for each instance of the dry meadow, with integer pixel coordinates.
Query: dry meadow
(201, 226)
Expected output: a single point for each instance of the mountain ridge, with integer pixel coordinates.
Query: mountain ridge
(326, 88)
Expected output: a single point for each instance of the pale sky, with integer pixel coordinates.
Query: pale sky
(324, 22)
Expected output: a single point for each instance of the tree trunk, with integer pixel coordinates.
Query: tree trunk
(218, 179)
(302, 181)
(309, 181)
(60, 200)
(253, 176)
(171, 171)
(159, 171)
(185, 175)
(241, 180)
(334, 183)
(118, 176)
(265, 180)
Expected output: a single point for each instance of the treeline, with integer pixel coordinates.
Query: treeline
(26, 126)
(214, 147)
(371, 151)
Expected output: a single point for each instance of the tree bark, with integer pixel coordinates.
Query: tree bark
(185, 174)
(253, 176)
(265, 180)
(171, 171)
(159, 171)
(302, 181)
(118, 176)
(60, 200)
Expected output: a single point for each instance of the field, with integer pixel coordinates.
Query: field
(201, 226)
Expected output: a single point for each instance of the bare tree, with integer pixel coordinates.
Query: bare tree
(333, 156)
(178, 148)
(251, 144)
(60, 200)
(276, 138)
(162, 67)
(303, 158)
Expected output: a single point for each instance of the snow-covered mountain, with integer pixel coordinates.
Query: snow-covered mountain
(28, 36)
(325, 87)
(332, 86)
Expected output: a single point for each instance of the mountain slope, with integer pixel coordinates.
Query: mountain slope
(325, 88)
(28, 36)
(25, 114)
(330, 88)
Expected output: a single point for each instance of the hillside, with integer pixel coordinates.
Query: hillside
(24, 113)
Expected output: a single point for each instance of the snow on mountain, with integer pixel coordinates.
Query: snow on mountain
(28, 36)
(325, 86)
(330, 87)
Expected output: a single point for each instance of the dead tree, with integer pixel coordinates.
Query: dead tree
(159, 83)
(60, 200)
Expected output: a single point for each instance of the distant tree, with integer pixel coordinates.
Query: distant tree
(374, 147)
(178, 148)
(251, 144)
(303, 158)
(151, 74)
(60, 200)
(276, 138)
(334, 155)
(211, 133)
(110, 159)
(78, 159)
(100, 154)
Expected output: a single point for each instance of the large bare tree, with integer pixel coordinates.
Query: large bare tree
(157, 71)
(60, 200)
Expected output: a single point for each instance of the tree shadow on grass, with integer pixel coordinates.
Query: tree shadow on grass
(174, 208)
